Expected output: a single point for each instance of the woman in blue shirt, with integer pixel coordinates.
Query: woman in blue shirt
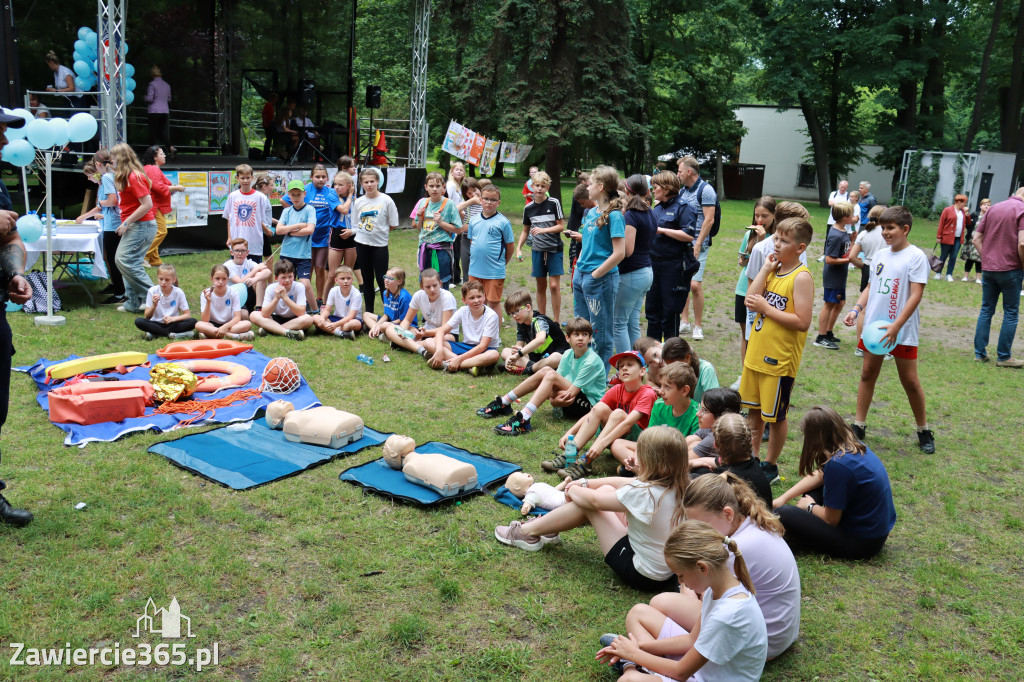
(595, 281)
(635, 274)
(672, 258)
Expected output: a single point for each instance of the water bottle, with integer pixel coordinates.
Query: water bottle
(365, 359)
(570, 451)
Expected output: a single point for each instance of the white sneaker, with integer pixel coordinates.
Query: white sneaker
(936, 276)
(736, 384)
(978, 281)
(181, 336)
(149, 336)
(261, 331)
(858, 352)
(295, 334)
(949, 278)
(821, 259)
(247, 336)
(698, 333)
(964, 279)
(684, 328)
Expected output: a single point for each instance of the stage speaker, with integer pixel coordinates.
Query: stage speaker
(373, 97)
(307, 93)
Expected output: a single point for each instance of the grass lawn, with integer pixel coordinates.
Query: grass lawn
(310, 578)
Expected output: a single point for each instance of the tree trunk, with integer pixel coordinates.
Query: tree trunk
(986, 58)
(553, 165)
(933, 96)
(719, 176)
(820, 146)
(1011, 100)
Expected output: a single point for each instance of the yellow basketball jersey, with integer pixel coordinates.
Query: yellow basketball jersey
(772, 348)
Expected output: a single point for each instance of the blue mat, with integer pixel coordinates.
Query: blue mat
(243, 458)
(503, 495)
(78, 434)
(379, 478)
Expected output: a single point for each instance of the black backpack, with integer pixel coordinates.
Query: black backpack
(713, 232)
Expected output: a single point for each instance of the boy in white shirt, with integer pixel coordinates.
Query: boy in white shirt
(480, 335)
(343, 312)
(436, 304)
(245, 210)
(244, 270)
(284, 305)
(166, 311)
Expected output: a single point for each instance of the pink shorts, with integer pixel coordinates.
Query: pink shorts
(671, 629)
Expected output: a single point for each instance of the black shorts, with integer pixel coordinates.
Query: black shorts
(620, 559)
(281, 319)
(579, 408)
(740, 311)
(339, 244)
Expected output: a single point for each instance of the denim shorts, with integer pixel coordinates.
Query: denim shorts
(547, 263)
(703, 260)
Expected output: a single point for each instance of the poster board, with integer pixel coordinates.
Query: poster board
(191, 207)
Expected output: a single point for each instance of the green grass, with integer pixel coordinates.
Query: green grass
(310, 578)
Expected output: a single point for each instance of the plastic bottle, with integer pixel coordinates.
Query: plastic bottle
(364, 358)
(570, 451)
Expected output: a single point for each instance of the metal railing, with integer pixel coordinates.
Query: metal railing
(396, 135)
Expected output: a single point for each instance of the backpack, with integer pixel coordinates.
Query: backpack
(713, 232)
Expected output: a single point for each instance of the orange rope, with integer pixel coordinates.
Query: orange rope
(204, 407)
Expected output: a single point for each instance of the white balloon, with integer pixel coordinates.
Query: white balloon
(39, 133)
(59, 131)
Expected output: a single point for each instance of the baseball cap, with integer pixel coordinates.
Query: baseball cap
(615, 359)
(12, 120)
(296, 184)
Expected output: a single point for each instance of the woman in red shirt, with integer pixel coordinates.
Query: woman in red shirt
(953, 224)
(137, 228)
(162, 189)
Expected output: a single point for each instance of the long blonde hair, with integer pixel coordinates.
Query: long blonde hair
(123, 157)
(608, 178)
(715, 492)
(693, 541)
(662, 458)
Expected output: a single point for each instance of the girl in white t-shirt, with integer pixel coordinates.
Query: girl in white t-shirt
(632, 517)
(221, 310)
(728, 644)
(166, 312)
(435, 305)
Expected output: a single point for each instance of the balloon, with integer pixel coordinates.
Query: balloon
(81, 83)
(82, 68)
(243, 293)
(90, 48)
(129, 97)
(95, 66)
(59, 131)
(82, 127)
(30, 228)
(77, 56)
(83, 33)
(129, 70)
(872, 337)
(126, 48)
(19, 153)
(18, 133)
(39, 133)
(80, 47)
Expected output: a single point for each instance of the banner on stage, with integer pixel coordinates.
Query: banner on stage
(191, 207)
(395, 180)
(489, 156)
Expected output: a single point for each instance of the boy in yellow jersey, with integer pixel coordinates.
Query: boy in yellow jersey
(782, 297)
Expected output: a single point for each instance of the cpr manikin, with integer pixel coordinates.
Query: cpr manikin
(541, 495)
(325, 426)
(441, 473)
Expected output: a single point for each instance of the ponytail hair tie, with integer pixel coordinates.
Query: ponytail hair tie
(726, 541)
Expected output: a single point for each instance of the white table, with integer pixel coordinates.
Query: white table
(68, 242)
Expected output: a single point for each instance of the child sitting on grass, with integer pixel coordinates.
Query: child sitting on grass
(713, 405)
(539, 340)
(732, 440)
(396, 305)
(674, 408)
(284, 305)
(166, 312)
(480, 342)
(624, 411)
(677, 349)
(343, 311)
(220, 309)
(574, 388)
(244, 270)
(435, 304)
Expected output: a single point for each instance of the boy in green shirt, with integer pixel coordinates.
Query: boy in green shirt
(673, 408)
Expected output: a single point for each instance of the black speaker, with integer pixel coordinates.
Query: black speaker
(373, 97)
(307, 92)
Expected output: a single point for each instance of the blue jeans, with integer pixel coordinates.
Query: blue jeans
(994, 284)
(633, 287)
(951, 251)
(595, 298)
(130, 262)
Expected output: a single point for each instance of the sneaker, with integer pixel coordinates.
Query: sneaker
(422, 352)
(112, 299)
(495, 408)
(295, 334)
(576, 470)
(824, 342)
(936, 276)
(261, 331)
(949, 278)
(516, 370)
(698, 334)
(201, 336)
(181, 336)
(1016, 364)
(554, 464)
(247, 336)
(771, 472)
(623, 472)
(821, 259)
(684, 327)
(887, 356)
(513, 536)
(554, 539)
(858, 352)
(833, 338)
(516, 426)
(964, 279)
(926, 441)
(859, 431)
(736, 384)
(765, 434)
(149, 336)
(350, 335)
(978, 281)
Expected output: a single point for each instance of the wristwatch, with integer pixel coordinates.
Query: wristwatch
(811, 506)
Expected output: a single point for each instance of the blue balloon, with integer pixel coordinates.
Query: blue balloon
(872, 337)
(18, 133)
(95, 65)
(242, 291)
(83, 33)
(81, 83)
(30, 228)
(39, 133)
(80, 47)
(77, 56)
(129, 97)
(129, 84)
(82, 127)
(59, 131)
(82, 68)
(129, 70)
(126, 48)
(19, 153)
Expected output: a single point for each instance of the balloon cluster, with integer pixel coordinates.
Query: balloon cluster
(87, 57)
(44, 133)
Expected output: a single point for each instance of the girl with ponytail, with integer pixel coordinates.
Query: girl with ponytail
(729, 642)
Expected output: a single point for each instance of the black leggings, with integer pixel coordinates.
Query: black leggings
(805, 532)
(969, 263)
(373, 263)
(666, 298)
(160, 329)
(457, 260)
(110, 242)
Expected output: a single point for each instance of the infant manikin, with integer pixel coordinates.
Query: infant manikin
(533, 494)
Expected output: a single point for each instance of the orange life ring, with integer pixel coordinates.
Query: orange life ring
(238, 375)
(202, 348)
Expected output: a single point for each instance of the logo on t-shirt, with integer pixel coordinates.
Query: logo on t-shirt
(366, 219)
(878, 268)
(246, 214)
